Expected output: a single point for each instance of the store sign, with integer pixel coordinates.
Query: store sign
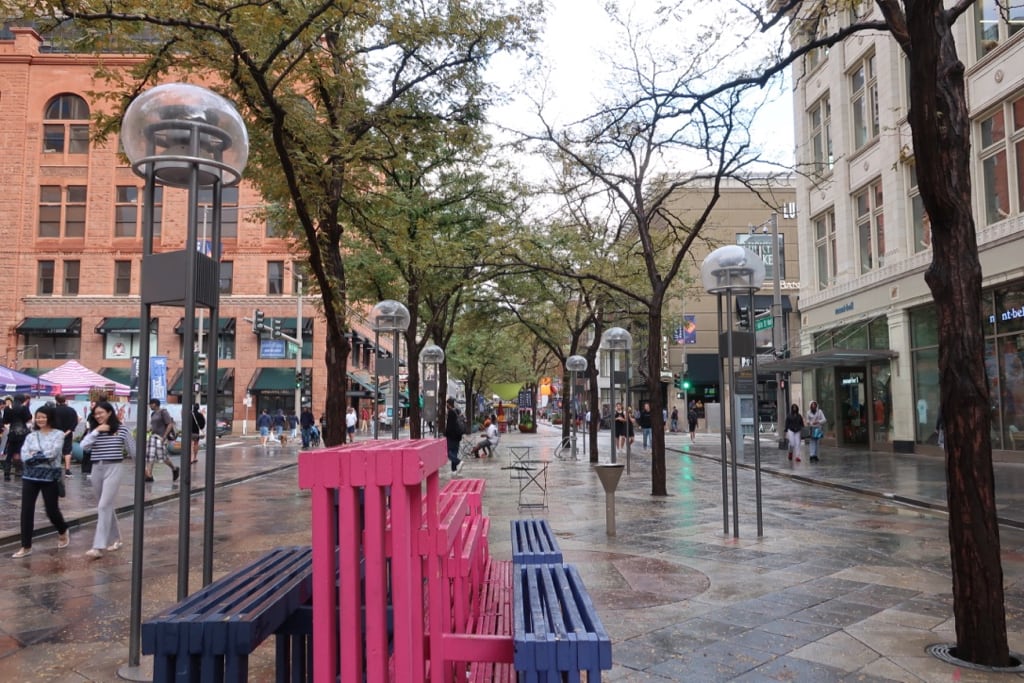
(762, 246)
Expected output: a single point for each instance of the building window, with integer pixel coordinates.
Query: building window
(227, 275)
(864, 101)
(919, 217)
(870, 226)
(44, 278)
(228, 214)
(126, 211)
(61, 133)
(72, 273)
(275, 277)
(813, 29)
(821, 136)
(1002, 161)
(122, 278)
(825, 247)
(995, 22)
(62, 210)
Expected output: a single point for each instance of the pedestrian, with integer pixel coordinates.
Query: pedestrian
(674, 419)
(794, 430)
(306, 424)
(263, 423)
(453, 435)
(109, 442)
(620, 426)
(644, 420)
(41, 454)
(364, 420)
(691, 419)
(65, 419)
(351, 421)
(816, 421)
(161, 424)
(17, 421)
(293, 424)
(198, 424)
(279, 425)
(630, 424)
(90, 424)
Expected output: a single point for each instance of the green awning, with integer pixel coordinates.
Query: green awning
(223, 376)
(57, 327)
(127, 325)
(273, 379)
(365, 383)
(226, 325)
(288, 326)
(119, 375)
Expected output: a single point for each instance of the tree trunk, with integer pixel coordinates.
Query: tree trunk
(941, 134)
(659, 477)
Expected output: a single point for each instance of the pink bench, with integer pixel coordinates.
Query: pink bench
(427, 550)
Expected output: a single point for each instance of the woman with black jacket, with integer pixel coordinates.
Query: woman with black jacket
(794, 429)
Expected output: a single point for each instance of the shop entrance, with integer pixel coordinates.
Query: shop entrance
(852, 407)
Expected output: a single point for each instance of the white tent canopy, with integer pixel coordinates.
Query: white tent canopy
(74, 378)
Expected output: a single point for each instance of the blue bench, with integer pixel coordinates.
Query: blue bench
(533, 542)
(210, 634)
(557, 633)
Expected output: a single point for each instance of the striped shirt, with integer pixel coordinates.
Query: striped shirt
(107, 446)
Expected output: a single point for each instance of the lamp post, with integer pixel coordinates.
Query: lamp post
(574, 364)
(613, 340)
(731, 270)
(389, 316)
(183, 136)
(298, 336)
(431, 356)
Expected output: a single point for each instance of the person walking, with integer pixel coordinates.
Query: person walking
(644, 420)
(691, 418)
(364, 420)
(674, 419)
(794, 429)
(306, 424)
(620, 426)
(41, 456)
(109, 442)
(198, 425)
(280, 422)
(65, 419)
(17, 421)
(263, 423)
(630, 425)
(160, 426)
(453, 435)
(351, 421)
(816, 421)
(293, 425)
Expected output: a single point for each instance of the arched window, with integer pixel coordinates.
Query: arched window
(66, 125)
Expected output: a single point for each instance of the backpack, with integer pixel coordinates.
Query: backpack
(199, 419)
(463, 425)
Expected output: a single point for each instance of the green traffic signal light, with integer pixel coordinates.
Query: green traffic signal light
(686, 384)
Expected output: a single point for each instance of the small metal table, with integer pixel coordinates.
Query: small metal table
(533, 483)
(518, 455)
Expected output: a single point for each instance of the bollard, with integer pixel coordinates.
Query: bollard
(609, 474)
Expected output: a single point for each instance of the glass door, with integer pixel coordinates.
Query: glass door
(851, 424)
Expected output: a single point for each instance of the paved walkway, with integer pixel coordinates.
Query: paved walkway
(850, 581)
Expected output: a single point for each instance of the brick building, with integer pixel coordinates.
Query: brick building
(71, 222)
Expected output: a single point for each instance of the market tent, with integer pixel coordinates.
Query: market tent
(75, 378)
(508, 391)
(13, 381)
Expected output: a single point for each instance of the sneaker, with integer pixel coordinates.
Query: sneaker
(798, 458)
(115, 546)
(63, 540)
(94, 553)
(149, 479)
(175, 473)
(791, 455)
(22, 552)
(67, 473)
(458, 468)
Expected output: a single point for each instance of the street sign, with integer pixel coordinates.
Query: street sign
(765, 323)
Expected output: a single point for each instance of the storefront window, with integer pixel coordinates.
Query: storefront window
(1009, 311)
(825, 395)
(926, 393)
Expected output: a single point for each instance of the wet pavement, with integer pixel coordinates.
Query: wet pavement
(849, 582)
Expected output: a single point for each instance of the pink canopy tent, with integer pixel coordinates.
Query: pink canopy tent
(75, 378)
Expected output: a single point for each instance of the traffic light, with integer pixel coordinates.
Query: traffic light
(677, 381)
(275, 328)
(258, 321)
(743, 315)
(201, 364)
(686, 385)
(299, 381)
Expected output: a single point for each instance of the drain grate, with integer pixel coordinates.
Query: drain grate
(947, 653)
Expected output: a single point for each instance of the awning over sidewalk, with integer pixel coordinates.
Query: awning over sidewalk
(224, 375)
(364, 384)
(126, 325)
(57, 327)
(225, 325)
(828, 359)
(273, 379)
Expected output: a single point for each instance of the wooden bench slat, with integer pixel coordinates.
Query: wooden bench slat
(533, 542)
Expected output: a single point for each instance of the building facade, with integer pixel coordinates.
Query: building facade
(869, 349)
(71, 220)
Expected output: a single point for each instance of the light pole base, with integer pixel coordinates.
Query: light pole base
(143, 672)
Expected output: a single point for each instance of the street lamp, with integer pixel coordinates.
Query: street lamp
(431, 356)
(730, 270)
(574, 364)
(184, 136)
(613, 340)
(389, 316)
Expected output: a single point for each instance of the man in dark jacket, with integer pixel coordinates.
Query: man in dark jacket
(65, 418)
(453, 435)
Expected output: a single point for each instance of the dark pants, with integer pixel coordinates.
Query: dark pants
(86, 462)
(453, 453)
(305, 436)
(30, 491)
(14, 443)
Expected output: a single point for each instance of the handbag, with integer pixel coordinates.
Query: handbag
(817, 433)
(805, 433)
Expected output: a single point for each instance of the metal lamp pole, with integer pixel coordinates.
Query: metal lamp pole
(391, 316)
(618, 339)
(298, 337)
(574, 364)
(431, 356)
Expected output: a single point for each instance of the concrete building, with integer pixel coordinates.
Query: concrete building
(868, 341)
(71, 223)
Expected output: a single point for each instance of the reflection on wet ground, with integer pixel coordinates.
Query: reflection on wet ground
(841, 587)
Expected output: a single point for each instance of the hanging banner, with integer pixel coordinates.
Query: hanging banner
(158, 378)
(686, 333)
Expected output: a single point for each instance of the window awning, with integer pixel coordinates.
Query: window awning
(225, 326)
(119, 375)
(288, 326)
(224, 375)
(57, 327)
(364, 383)
(127, 325)
(273, 380)
(831, 358)
(762, 302)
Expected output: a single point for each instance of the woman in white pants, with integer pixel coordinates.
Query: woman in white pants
(794, 427)
(109, 442)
